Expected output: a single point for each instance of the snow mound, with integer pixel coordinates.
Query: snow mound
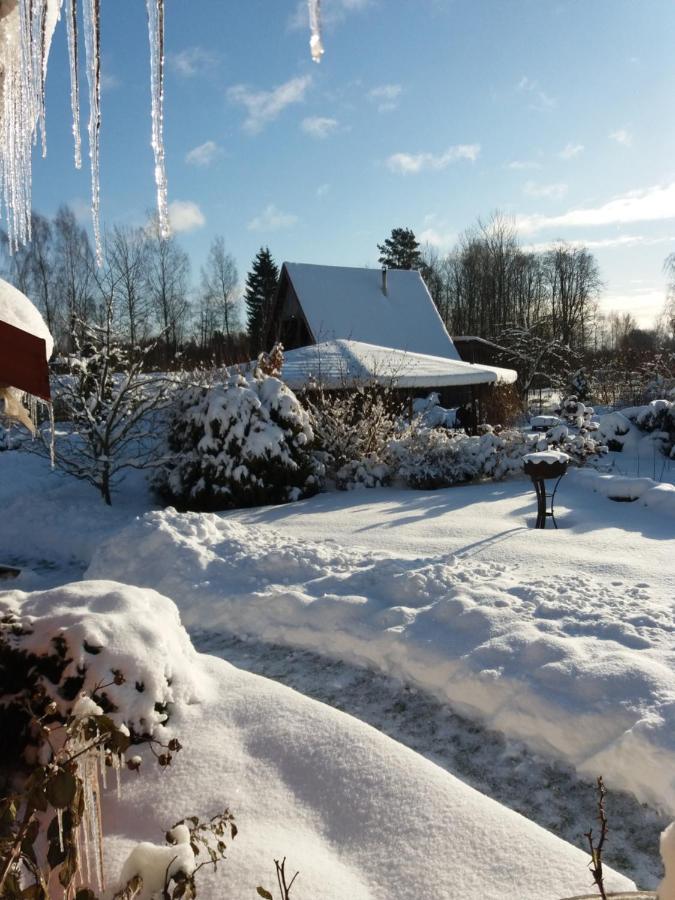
(547, 661)
(356, 813)
(17, 310)
(658, 496)
(103, 630)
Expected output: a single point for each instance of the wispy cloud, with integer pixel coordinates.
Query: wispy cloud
(204, 154)
(185, 215)
(332, 12)
(413, 163)
(570, 151)
(272, 219)
(622, 136)
(618, 242)
(319, 127)
(522, 164)
(546, 191)
(650, 205)
(192, 61)
(441, 240)
(385, 96)
(539, 99)
(322, 190)
(263, 107)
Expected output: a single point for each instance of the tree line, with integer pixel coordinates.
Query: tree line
(145, 280)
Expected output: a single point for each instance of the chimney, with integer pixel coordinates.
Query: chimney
(384, 280)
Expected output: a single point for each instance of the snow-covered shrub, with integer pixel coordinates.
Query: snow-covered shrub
(429, 458)
(245, 442)
(369, 472)
(624, 427)
(353, 428)
(83, 679)
(579, 385)
(575, 413)
(616, 430)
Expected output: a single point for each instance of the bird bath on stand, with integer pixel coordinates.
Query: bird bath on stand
(542, 467)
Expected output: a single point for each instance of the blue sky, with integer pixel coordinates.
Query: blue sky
(425, 113)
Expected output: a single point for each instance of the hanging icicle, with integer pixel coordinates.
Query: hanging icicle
(92, 46)
(315, 44)
(156, 35)
(73, 56)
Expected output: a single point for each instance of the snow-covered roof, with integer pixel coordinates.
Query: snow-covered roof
(343, 363)
(348, 303)
(17, 310)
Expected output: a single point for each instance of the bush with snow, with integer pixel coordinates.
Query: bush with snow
(428, 458)
(626, 427)
(352, 431)
(245, 442)
(83, 680)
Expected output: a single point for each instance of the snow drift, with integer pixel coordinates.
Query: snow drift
(547, 661)
(358, 814)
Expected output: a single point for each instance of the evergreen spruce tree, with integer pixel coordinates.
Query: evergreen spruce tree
(401, 250)
(261, 286)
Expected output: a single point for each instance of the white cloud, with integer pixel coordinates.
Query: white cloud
(272, 219)
(185, 215)
(412, 164)
(435, 238)
(204, 154)
(546, 191)
(622, 136)
(322, 190)
(620, 242)
(192, 61)
(332, 12)
(319, 127)
(570, 151)
(650, 205)
(539, 99)
(265, 106)
(522, 164)
(385, 96)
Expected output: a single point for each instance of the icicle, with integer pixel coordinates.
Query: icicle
(102, 766)
(315, 26)
(59, 819)
(52, 435)
(73, 56)
(92, 44)
(117, 765)
(156, 35)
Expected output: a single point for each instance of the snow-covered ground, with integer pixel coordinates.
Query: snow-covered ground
(560, 639)
(563, 639)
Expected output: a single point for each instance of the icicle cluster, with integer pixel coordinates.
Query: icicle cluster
(315, 44)
(26, 29)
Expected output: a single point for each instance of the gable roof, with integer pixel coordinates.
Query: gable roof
(345, 303)
(342, 364)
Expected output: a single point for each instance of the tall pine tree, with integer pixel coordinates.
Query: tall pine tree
(261, 286)
(401, 250)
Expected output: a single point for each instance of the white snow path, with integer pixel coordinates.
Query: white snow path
(548, 792)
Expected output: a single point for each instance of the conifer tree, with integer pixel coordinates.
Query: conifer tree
(401, 250)
(261, 286)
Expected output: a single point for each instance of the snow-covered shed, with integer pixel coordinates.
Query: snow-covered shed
(386, 308)
(342, 326)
